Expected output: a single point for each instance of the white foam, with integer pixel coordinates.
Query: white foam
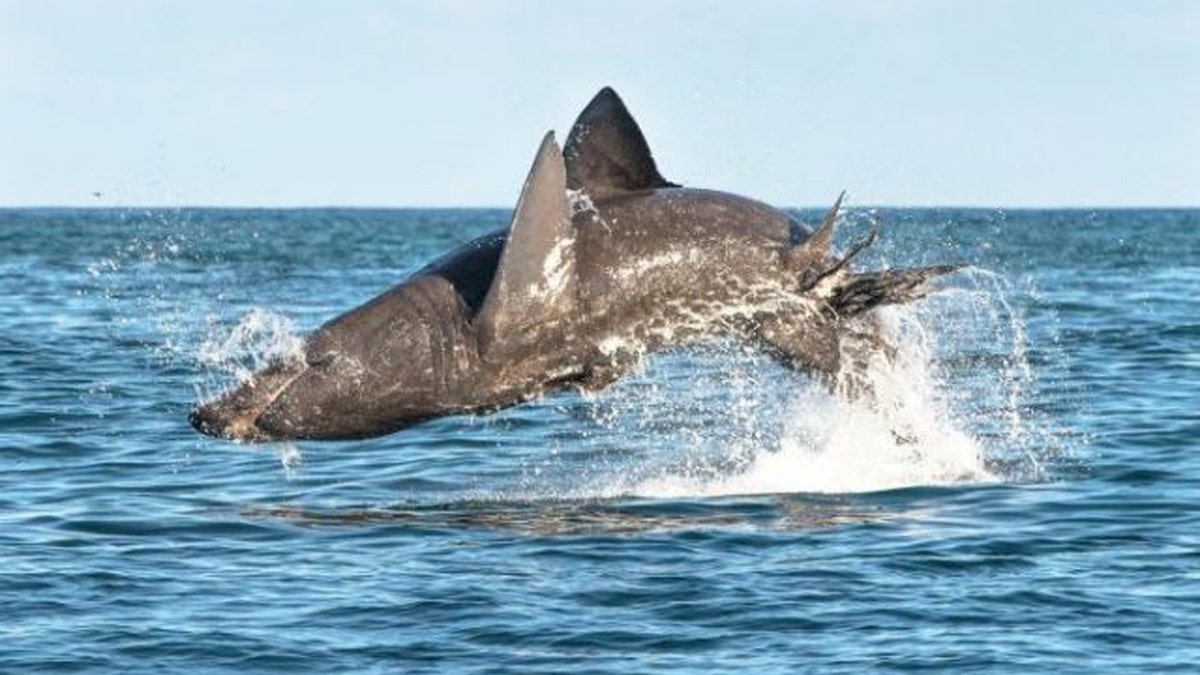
(290, 458)
(831, 444)
(230, 355)
(950, 407)
(260, 337)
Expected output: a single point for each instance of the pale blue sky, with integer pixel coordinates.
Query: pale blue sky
(278, 103)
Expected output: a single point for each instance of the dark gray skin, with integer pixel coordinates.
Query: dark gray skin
(604, 261)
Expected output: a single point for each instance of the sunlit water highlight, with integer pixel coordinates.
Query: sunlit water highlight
(1023, 499)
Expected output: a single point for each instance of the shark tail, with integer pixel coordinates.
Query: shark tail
(837, 334)
(860, 292)
(848, 293)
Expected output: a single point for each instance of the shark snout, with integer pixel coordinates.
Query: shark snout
(205, 420)
(214, 419)
(234, 415)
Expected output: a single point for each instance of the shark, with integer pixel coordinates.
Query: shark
(604, 262)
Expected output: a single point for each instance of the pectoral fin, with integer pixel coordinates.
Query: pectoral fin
(838, 353)
(806, 343)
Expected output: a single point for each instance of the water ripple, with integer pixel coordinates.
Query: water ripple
(711, 513)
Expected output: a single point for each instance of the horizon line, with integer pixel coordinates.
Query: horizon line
(478, 207)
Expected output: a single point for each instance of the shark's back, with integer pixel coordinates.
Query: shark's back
(669, 241)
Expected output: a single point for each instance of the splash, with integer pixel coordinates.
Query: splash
(949, 407)
(826, 443)
(178, 323)
(259, 338)
(289, 458)
(128, 279)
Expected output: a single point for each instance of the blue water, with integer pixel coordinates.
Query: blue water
(712, 512)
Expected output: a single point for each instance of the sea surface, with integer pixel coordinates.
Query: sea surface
(1026, 499)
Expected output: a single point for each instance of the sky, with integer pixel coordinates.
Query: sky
(443, 103)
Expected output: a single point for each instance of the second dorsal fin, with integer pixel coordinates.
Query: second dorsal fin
(606, 152)
(535, 278)
(815, 251)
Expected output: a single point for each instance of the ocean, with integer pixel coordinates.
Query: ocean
(1028, 499)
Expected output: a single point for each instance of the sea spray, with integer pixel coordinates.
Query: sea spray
(951, 406)
(259, 338)
(234, 353)
(826, 443)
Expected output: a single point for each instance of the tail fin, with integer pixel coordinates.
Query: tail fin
(863, 291)
(814, 341)
(855, 292)
(829, 341)
(861, 337)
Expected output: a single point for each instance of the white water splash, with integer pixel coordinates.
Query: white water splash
(259, 338)
(290, 458)
(830, 444)
(949, 408)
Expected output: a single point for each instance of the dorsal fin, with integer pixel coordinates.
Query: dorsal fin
(813, 252)
(535, 278)
(823, 238)
(606, 151)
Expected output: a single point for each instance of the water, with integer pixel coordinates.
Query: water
(1027, 501)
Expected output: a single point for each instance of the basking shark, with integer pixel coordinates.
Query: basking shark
(604, 261)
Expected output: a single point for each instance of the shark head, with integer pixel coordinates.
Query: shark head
(429, 346)
(375, 369)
